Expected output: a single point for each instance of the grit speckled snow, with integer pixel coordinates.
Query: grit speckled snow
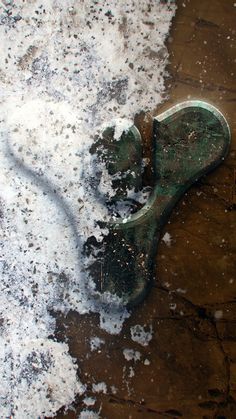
(67, 69)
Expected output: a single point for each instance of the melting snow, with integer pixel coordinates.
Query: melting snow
(131, 355)
(140, 335)
(67, 69)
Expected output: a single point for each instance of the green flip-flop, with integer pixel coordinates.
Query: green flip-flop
(189, 140)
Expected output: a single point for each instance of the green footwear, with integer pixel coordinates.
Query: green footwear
(189, 140)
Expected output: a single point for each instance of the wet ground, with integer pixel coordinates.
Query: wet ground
(188, 369)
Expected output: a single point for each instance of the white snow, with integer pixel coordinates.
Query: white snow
(100, 387)
(131, 372)
(96, 343)
(167, 239)
(89, 414)
(131, 355)
(141, 335)
(67, 69)
(89, 401)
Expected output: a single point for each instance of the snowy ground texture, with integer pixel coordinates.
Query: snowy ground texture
(67, 69)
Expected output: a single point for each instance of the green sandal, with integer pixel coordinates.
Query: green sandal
(189, 140)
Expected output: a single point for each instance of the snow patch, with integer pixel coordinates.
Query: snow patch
(167, 239)
(131, 355)
(140, 335)
(100, 387)
(67, 70)
(89, 414)
(96, 343)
